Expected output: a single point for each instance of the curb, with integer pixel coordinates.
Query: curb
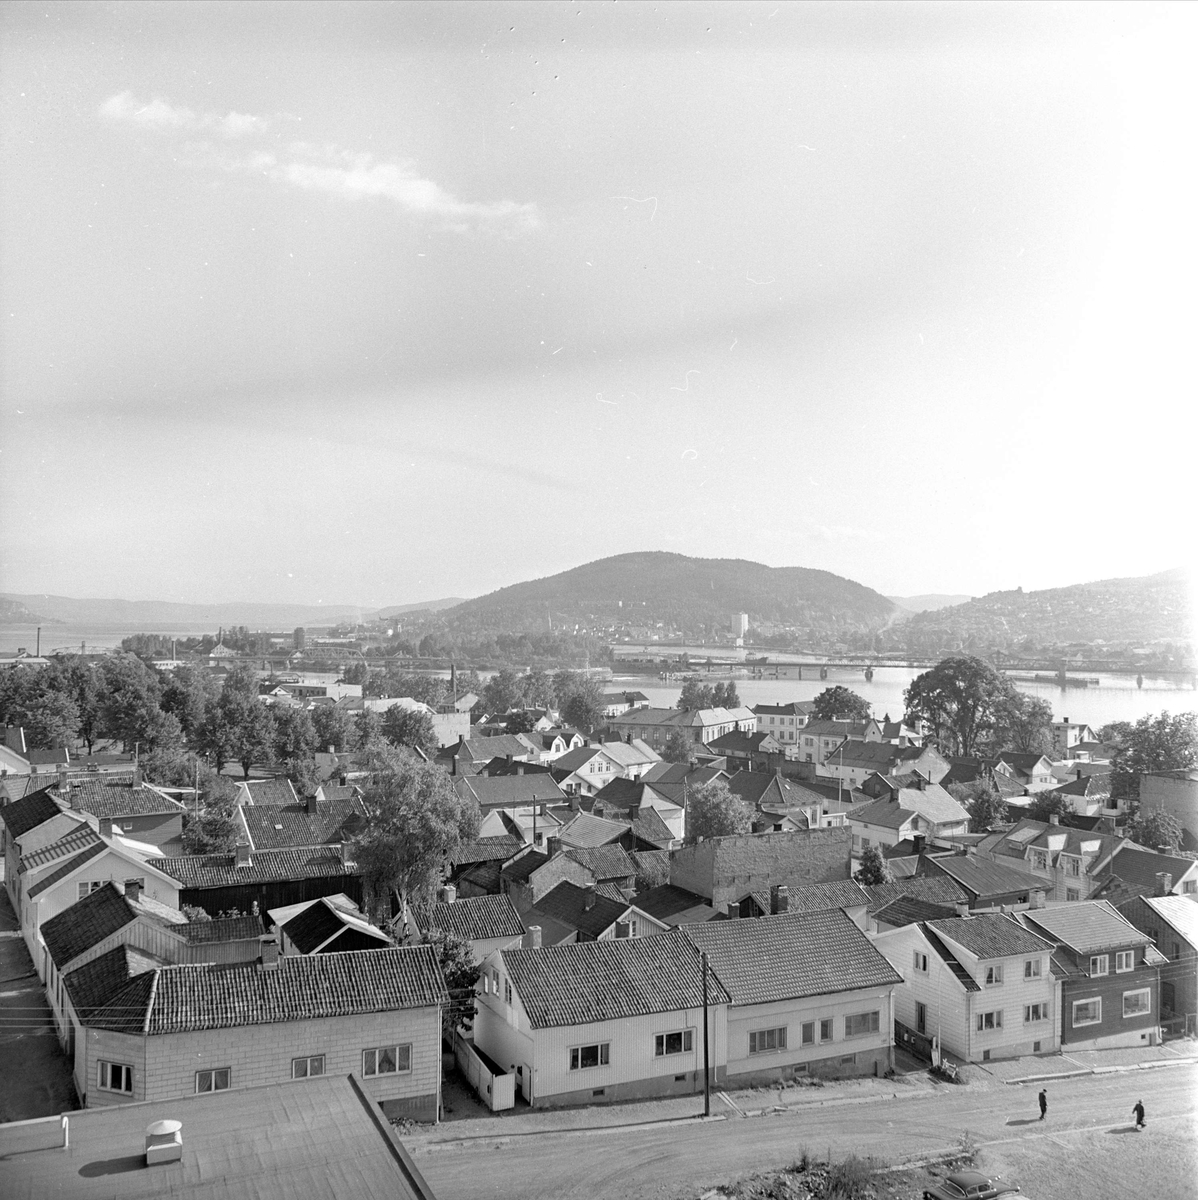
(499, 1138)
(1144, 1066)
(834, 1103)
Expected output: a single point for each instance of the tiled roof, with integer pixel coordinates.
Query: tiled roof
(88, 921)
(79, 838)
(819, 897)
(673, 905)
(476, 918)
(521, 868)
(883, 814)
(586, 830)
(796, 708)
(738, 741)
(1181, 913)
(67, 868)
(983, 877)
(28, 813)
(272, 792)
(604, 862)
(649, 827)
(876, 756)
(907, 910)
(1138, 864)
(791, 955)
(483, 749)
(105, 797)
(220, 870)
(511, 791)
(1086, 926)
(962, 976)
(631, 754)
(939, 890)
(767, 788)
(274, 827)
(650, 860)
(94, 984)
(486, 849)
(319, 922)
(181, 999)
(584, 982)
(567, 904)
(991, 935)
(1093, 787)
(222, 929)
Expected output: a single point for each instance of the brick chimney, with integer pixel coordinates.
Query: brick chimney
(449, 893)
(63, 785)
(588, 901)
(1164, 883)
(532, 938)
(1054, 818)
(106, 827)
(135, 781)
(779, 899)
(962, 908)
(918, 842)
(1036, 898)
(133, 890)
(270, 952)
(310, 805)
(552, 846)
(242, 855)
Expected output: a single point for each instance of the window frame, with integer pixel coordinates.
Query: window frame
(829, 1024)
(1089, 1000)
(686, 1042)
(602, 1056)
(91, 885)
(307, 1060)
(988, 1022)
(807, 1034)
(1033, 968)
(104, 1076)
(215, 1083)
(1140, 1012)
(1121, 956)
(921, 962)
(1033, 1013)
(398, 1051)
(1103, 967)
(760, 1039)
(994, 975)
(872, 1020)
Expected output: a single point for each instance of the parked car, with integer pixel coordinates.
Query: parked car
(969, 1185)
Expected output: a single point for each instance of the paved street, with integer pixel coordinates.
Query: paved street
(682, 1159)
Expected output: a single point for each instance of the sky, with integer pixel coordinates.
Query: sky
(381, 303)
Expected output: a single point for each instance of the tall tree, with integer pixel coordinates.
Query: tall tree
(873, 869)
(81, 683)
(696, 694)
(333, 727)
(725, 695)
(129, 708)
(415, 821)
(678, 748)
(983, 801)
(1160, 743)
(504, 691)
(964, 700)
(461, 972)
(712, 810)
(1046, 805)
(368, 729)
(186, 694)
(581, 700)
(840, 703)
(1156, 829)
(1025, 724)
(295, 735)
(410, 727)
(538, 689)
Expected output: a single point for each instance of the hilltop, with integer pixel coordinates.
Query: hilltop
(644, 590)
(1131, 612)
(929, 603)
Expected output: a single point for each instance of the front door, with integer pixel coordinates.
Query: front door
(921, 1018)
(524, 1074)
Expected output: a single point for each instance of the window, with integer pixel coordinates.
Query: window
(921, 962)
(808, 1033)
(213, 1081)
(486, 982)
(859, 1024)
(305, 1068)
(1039, 860)
(1073, 894)
(1073, 867)
(387, 1060)
(1125, 960)
(1032, 968)
(989, 1020)
(921, 1017)
(825, 1030)
(1035, 1012)
(115, 1077)
(680, 1042)
(762, 1041)
(1176, 951)
(994, 975)
(1100, 964)
(85, 889)
(1087, 1012)
(507, 991)
(584, 1057)
(1189, 887)
(495, 982)
(1137, 1003)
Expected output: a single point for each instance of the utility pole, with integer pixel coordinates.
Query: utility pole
(706, 1060)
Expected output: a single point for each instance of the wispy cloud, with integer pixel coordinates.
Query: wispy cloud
(157, 114)
(328, 169)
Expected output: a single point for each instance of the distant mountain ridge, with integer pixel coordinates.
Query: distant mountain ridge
(1139, 609)
(655, 586)
(929, 603)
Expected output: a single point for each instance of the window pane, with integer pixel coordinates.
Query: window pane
(316, 1065)
(403, 1058)
(387, 1060)
(369, 1062)
(203, 1081)
(299, 1068)
(688, 1039)
(603, 1053)
(574, 1060)
(589, 1056)
(659, 1045)
(808, 1033)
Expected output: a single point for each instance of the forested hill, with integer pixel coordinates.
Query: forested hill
(1139, 610)
(688, 593)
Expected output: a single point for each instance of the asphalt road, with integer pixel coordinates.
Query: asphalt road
(682, 1160)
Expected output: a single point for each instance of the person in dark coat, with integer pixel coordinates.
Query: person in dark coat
(1043, 1103)
(1138, 1113)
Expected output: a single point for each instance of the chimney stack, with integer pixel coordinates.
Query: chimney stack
(532, 938)
(1036, 898)
(106, 827)
(918, 841)
(63, 784)
(136, 780)
(1164, 883)
(242, 853)
(962, 908)
(310, 804)
(589, 899)
(133, 890)
(552, 846)
(1054, 818)
(449, 893)
(270, 952)
(779, 899)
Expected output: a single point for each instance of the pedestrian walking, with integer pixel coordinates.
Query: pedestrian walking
(1138, 1113)
(1043, 1103)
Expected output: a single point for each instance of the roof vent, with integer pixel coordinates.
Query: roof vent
(164, 1142)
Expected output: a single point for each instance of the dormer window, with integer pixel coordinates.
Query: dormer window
(1100, 964)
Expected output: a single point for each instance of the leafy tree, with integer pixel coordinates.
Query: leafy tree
(169, 767)
(304, 776)
(963, 699)
(212, 832)
(1046, 805)
(678, 748)
(696, 694)
(238, 725)
(1160, 743)
(581, 700)
(520, 721)
(128, 701)
(186, 694)
(873, 869)
(415, 821)
(1025, 725)
(194, 914)
(725, 695)
(333, 727)
(410, 727)
(39, 700)
(840, 703)
(538, 689)
(80, 682)
(1155, 828)
(295, 734)
(357, 672)
(1115, 734)
(983, 801)
(368, 729)
(713, 811)
(461, 972)
(504, 691)
(214, 737)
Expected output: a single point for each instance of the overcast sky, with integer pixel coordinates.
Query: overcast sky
(383, 303)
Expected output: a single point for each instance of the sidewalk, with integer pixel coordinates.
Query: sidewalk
(1037, 1068)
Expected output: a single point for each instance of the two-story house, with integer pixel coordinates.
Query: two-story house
(855, 760)
(1072, 863)
(1172, 923)
(584, 771)
(922, 808)
(784, 721)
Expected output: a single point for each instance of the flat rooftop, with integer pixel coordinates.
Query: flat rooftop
(311, 1138)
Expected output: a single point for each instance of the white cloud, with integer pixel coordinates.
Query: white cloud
(157, 114)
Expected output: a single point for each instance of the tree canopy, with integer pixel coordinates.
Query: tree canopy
(712, 810)
(580, 698)
(679, 748)
(873, 869)
(983, 801)
(1154, 828)
(1153, 743)
(967, 703)
(410, 727)
(697, 694)
(840, 703)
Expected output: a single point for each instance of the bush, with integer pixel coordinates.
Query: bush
(851, 1179)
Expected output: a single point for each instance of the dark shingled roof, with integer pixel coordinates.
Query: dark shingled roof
(88, 921)
(567, 904)
(67, 868)
(321, 921)
(584, 982)
(819, 897)
(521, 868)
(938, 889)
(674, 905)
(276, 827)
(586, 830)
(79, 838)
(28, 813)
(222, 929)
(966, 980)
(984, 877)
(487, 849)
(220, 870)
(604, 862)
(991, 935)
(273, 793)
(94, 984)
(1139, 865)
(180, 999)
(475, 918)
(908, 910)
(107, 797)
(792, 955)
